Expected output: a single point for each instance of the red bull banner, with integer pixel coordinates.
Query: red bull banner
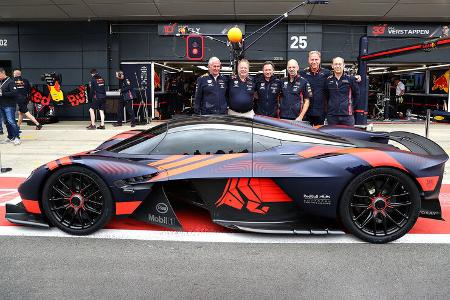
(38, 98)
(77, 96)
(439, 81)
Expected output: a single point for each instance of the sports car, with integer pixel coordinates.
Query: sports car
(260, 175)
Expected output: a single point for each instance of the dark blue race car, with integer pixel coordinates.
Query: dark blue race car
(257, 175)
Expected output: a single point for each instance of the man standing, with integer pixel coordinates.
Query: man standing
(296, 93)
(341, 90)
(8, 108)
(211, 91)
(127, 95)
(317, 77)
(97, 95)
(241, 89)
(267, 92)
(23, 91)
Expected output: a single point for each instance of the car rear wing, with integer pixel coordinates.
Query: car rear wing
(417, 143)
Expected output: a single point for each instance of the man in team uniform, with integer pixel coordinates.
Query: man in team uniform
(296, 93)
(211, 91)
(342, 90)
(241, 92)
(317, 77)
(97, 95)
(127, 95)
(23, 91)
(268, 90)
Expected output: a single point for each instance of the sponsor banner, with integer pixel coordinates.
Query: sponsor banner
(405, 30)
(439, 81)
(170, 29)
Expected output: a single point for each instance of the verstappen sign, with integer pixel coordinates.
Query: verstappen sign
(401, 30)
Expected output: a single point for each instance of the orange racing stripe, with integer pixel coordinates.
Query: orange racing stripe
(184, 161)
(165, 160)
(191, 167)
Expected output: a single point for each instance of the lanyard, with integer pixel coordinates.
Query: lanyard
(4, 82)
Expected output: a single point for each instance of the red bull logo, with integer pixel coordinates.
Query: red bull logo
(441, 82)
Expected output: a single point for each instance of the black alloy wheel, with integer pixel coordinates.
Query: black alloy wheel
(380, 205)
(77, 201)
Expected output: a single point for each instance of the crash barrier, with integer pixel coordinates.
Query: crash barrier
(3, 170)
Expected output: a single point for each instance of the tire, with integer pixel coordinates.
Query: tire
(380, 205)
(77, 201)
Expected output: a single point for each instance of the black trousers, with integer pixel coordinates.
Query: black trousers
(129, 109)
(341, 120)
(315, 120)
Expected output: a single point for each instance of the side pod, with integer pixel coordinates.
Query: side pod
(156, 209)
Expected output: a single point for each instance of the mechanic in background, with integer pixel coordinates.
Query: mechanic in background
(317, 77)
(211, 91)
(241, 92)
(97, 96)
(127, 95)
(296, 93)
(341, 90)
(268, 89)
(23, 91)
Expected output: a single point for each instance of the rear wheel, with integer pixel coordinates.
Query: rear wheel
(380, 205)
(77, 201)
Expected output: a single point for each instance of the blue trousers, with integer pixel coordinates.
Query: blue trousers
(9, 115)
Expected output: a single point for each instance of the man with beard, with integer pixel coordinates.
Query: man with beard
(296, 93)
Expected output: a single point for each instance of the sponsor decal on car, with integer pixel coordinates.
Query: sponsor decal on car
(317, 199)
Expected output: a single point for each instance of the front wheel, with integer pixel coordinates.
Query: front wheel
(380, 205)
(77, 201)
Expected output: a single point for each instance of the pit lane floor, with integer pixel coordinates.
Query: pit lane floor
(129, 260)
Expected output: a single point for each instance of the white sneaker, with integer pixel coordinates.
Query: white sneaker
(6, 141)
(16, 142)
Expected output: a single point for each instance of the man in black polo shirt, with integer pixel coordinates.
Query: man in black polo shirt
(296, 93)
(342, 91)
(317, 78)
(268, 90)
(241, 91)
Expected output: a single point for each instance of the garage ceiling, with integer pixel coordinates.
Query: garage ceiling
(167, 10)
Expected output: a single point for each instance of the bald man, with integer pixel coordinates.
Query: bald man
(295, 95)
(342, 91)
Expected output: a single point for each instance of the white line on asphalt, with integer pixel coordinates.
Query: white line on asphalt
(215, 237)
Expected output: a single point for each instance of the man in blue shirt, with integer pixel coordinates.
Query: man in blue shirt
(268, 90)
(317, 78)
(296, 93)
(241, 92)
(211, 91)
(342, 91)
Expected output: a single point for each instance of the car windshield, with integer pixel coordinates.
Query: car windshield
(141, 142)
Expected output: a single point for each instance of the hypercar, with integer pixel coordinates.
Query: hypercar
(261, 175)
